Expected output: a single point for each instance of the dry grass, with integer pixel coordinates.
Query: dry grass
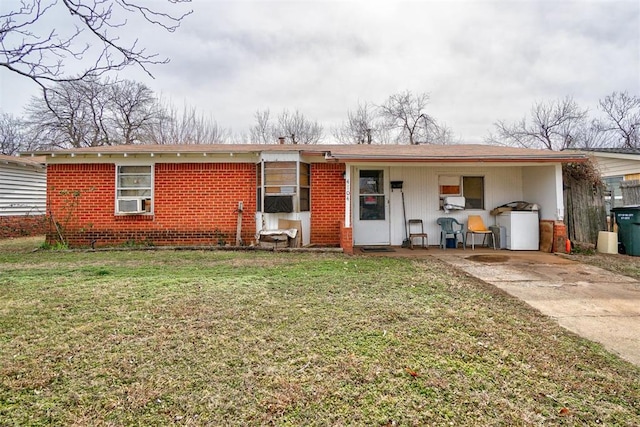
(222, 338)
(621, 264)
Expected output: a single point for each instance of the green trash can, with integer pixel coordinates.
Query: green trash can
(628, 220)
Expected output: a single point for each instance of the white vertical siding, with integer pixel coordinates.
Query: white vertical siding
(23, 190)
(543, 185)
(502, 185)
(269, 221)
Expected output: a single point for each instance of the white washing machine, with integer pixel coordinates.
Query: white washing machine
(523, 230)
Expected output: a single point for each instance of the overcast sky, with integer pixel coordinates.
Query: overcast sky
(480, 61)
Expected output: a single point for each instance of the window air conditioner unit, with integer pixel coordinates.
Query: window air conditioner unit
(130, 206)
(276, 204)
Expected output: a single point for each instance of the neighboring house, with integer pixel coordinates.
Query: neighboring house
(342, 194)
(616, 165)
(23, 191)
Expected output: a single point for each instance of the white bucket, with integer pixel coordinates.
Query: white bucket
(607, 242)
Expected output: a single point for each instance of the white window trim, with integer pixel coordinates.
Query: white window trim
(295, 194)
(140, 211)
(449, 179)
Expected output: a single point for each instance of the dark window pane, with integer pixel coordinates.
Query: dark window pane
(371, 182)
(473, 189)
(259, 199)
(135, 169)
(304, 199)
(304, 174)
(372, 208)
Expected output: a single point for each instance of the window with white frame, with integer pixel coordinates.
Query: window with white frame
(283, 186)
(469, 187)
(134, 189)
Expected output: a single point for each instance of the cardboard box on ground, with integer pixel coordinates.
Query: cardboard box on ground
(276, 240)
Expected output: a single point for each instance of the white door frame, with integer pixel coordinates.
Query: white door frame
(371, 227)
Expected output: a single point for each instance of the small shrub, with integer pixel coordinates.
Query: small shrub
(57, 246)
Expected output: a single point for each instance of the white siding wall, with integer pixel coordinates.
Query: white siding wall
(502, 185)
(543, 185)
(23, 190)
(269, 221)
(609, 166)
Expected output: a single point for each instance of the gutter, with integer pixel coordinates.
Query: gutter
(450, 159)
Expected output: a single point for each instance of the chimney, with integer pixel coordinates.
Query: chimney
(281, 140)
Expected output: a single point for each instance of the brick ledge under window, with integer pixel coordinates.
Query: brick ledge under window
(134, 217)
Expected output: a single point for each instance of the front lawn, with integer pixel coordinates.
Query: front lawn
(255, 338)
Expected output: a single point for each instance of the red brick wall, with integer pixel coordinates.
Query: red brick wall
(346, 238)
(327, 203)
(194, 203)
(21, 226)
(80, 198)
(203, 197)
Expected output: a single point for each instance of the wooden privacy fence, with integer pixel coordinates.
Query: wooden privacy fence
(630, 192)
(585, 212)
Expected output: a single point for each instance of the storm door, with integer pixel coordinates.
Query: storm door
(371, 208)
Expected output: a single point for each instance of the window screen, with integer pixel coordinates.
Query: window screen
(134, 188)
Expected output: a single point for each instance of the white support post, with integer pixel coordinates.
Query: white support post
(347, 197)
(559, 194)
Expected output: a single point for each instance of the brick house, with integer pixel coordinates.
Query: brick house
(22, 196)
(342, 194)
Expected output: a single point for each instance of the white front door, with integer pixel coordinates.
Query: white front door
(371, 224)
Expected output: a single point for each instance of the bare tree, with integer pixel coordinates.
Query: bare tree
(591, 135)
(294, 127)
(133, 109)
(262, 132)
(70, 117)
(13, 138)
(185, 126)
(622, 120)
(363, 126)
(90, 113)
(298, 129)
(554, 125)
(85, 36)
(405, 113)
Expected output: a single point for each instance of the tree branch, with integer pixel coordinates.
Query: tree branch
(42, 58)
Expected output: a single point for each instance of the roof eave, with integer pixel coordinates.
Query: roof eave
(454, 159)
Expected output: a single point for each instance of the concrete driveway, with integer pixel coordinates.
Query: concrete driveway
(592, 302)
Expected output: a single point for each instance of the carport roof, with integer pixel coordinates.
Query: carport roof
(342, 153)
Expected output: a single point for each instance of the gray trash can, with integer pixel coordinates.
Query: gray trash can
(500, 235)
